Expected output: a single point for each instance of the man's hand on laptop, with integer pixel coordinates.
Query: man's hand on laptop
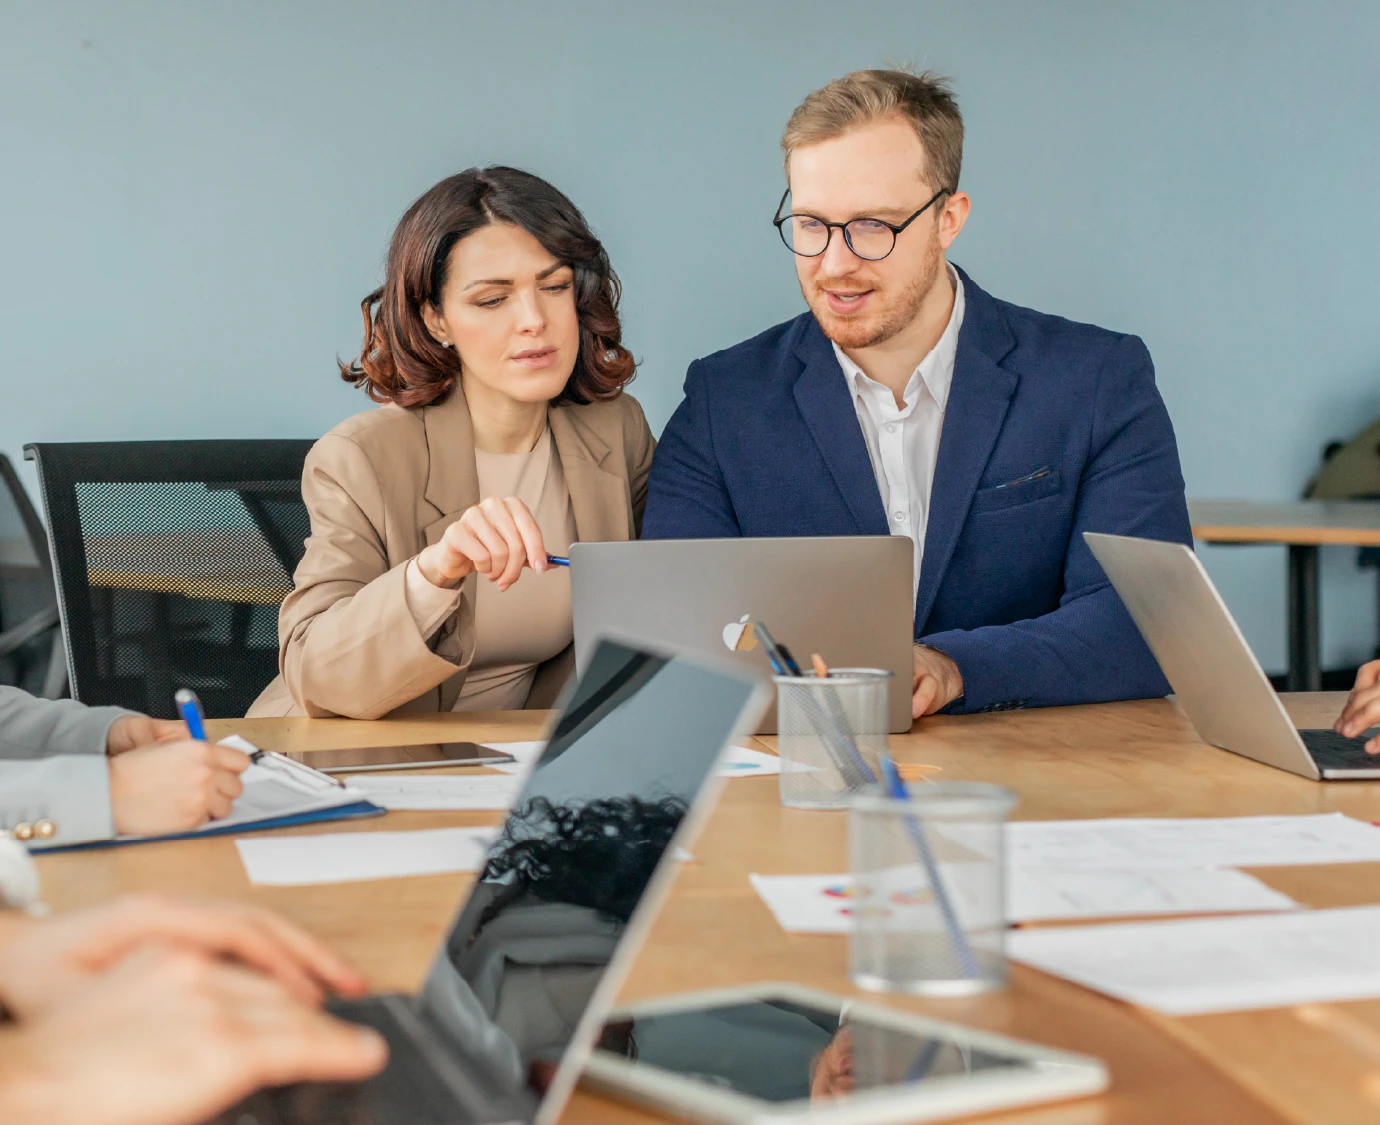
(1362, 710)
(937, 682)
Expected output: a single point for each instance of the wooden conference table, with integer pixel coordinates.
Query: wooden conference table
(1126, 759)
(1303, 526)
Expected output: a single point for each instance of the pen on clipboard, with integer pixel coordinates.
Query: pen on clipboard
(189, 707)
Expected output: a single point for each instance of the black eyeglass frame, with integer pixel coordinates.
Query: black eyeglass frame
(896, 228)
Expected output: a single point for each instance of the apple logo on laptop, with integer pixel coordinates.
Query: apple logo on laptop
(739, 636)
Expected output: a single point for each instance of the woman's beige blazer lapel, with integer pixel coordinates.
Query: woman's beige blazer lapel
(598, 498)
(452, 482)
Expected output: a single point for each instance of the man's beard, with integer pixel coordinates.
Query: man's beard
(894, 316)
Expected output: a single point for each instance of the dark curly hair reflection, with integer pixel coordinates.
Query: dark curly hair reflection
(599, 855)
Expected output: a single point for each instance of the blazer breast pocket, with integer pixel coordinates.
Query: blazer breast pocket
(1005, 496)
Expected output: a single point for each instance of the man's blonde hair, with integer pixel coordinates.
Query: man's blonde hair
(865, 96)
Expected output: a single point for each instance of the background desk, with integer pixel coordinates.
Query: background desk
(1128, 759)
(1303, 526)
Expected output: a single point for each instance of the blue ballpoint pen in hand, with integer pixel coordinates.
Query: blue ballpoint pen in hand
(557, 560)
(189, 707)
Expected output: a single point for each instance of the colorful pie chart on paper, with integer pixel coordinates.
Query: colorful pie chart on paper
(845, 890)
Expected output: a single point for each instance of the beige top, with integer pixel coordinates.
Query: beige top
(518, 629)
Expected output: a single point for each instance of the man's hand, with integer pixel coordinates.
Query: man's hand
(129, 732)
(172, 1038)
(1362, 710)
(174, 786)
(937, 682)
(44, 962)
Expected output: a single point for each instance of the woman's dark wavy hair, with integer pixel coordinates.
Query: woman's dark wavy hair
(401, 362)
(599, 855)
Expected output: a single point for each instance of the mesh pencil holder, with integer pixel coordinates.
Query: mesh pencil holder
(818, 768)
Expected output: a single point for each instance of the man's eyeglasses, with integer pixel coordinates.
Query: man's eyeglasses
(872, 239)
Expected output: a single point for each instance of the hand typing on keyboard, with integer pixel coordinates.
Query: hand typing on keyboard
(171, 1037)
(1362, 710)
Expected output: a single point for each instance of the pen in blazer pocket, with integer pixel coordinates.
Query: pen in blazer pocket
(1042, 471)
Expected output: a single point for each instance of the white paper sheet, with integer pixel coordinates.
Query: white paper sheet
(1244, 841)
(435, 791)
(822, 904)
(1205, 965)
(743, 761)
(349, 857)
(526, 754)
(738, 761)
(1046, 894)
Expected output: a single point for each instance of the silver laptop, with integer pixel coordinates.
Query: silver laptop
(1213, 672)
(518, 993)
(849, 599)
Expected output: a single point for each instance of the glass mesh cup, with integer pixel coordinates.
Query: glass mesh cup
(812, 776)
(927, 887)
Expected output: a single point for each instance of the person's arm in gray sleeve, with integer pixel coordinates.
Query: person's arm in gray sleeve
(39, 728)
(62, 799)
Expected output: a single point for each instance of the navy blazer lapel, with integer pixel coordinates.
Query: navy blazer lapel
(978, 401)
(821, 393)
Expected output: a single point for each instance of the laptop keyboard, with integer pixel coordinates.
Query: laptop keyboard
(1333, 751)
(408, 1092)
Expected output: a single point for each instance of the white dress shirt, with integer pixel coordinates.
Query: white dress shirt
(903, 442)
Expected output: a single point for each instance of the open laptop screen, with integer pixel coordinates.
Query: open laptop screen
(631, 751)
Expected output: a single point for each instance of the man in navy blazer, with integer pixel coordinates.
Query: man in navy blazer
(908, 401)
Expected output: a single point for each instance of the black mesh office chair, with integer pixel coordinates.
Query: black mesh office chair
(31, 652)
(171, 559)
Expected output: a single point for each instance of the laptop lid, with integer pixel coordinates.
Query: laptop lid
(1200, 649)
(849, 598)
(536, 955)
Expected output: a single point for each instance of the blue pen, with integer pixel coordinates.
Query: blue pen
(557, 560)
(189, 707)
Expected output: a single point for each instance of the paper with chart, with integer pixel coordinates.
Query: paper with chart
(827, 904)
(1240, 841)
(468, 791)
(1202, 965)
(737, 761)
(350, 857)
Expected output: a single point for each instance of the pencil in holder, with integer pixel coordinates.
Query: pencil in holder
(822, 726)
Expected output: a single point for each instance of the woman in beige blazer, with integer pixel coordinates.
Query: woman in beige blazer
(505, 435)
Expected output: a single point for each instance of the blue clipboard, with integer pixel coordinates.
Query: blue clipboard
(353, 811)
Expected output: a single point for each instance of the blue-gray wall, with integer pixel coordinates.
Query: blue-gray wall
(195, 196)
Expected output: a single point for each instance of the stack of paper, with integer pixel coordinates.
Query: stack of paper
(1217, 964)
(737, 761)
(462, 791)
(1238, 841)
(824, 904)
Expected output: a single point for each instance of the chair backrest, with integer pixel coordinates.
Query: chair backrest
(26, 589)
(171, 559)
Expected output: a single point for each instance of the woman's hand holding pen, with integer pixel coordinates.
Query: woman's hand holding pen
(174, 786)
(496, 537)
